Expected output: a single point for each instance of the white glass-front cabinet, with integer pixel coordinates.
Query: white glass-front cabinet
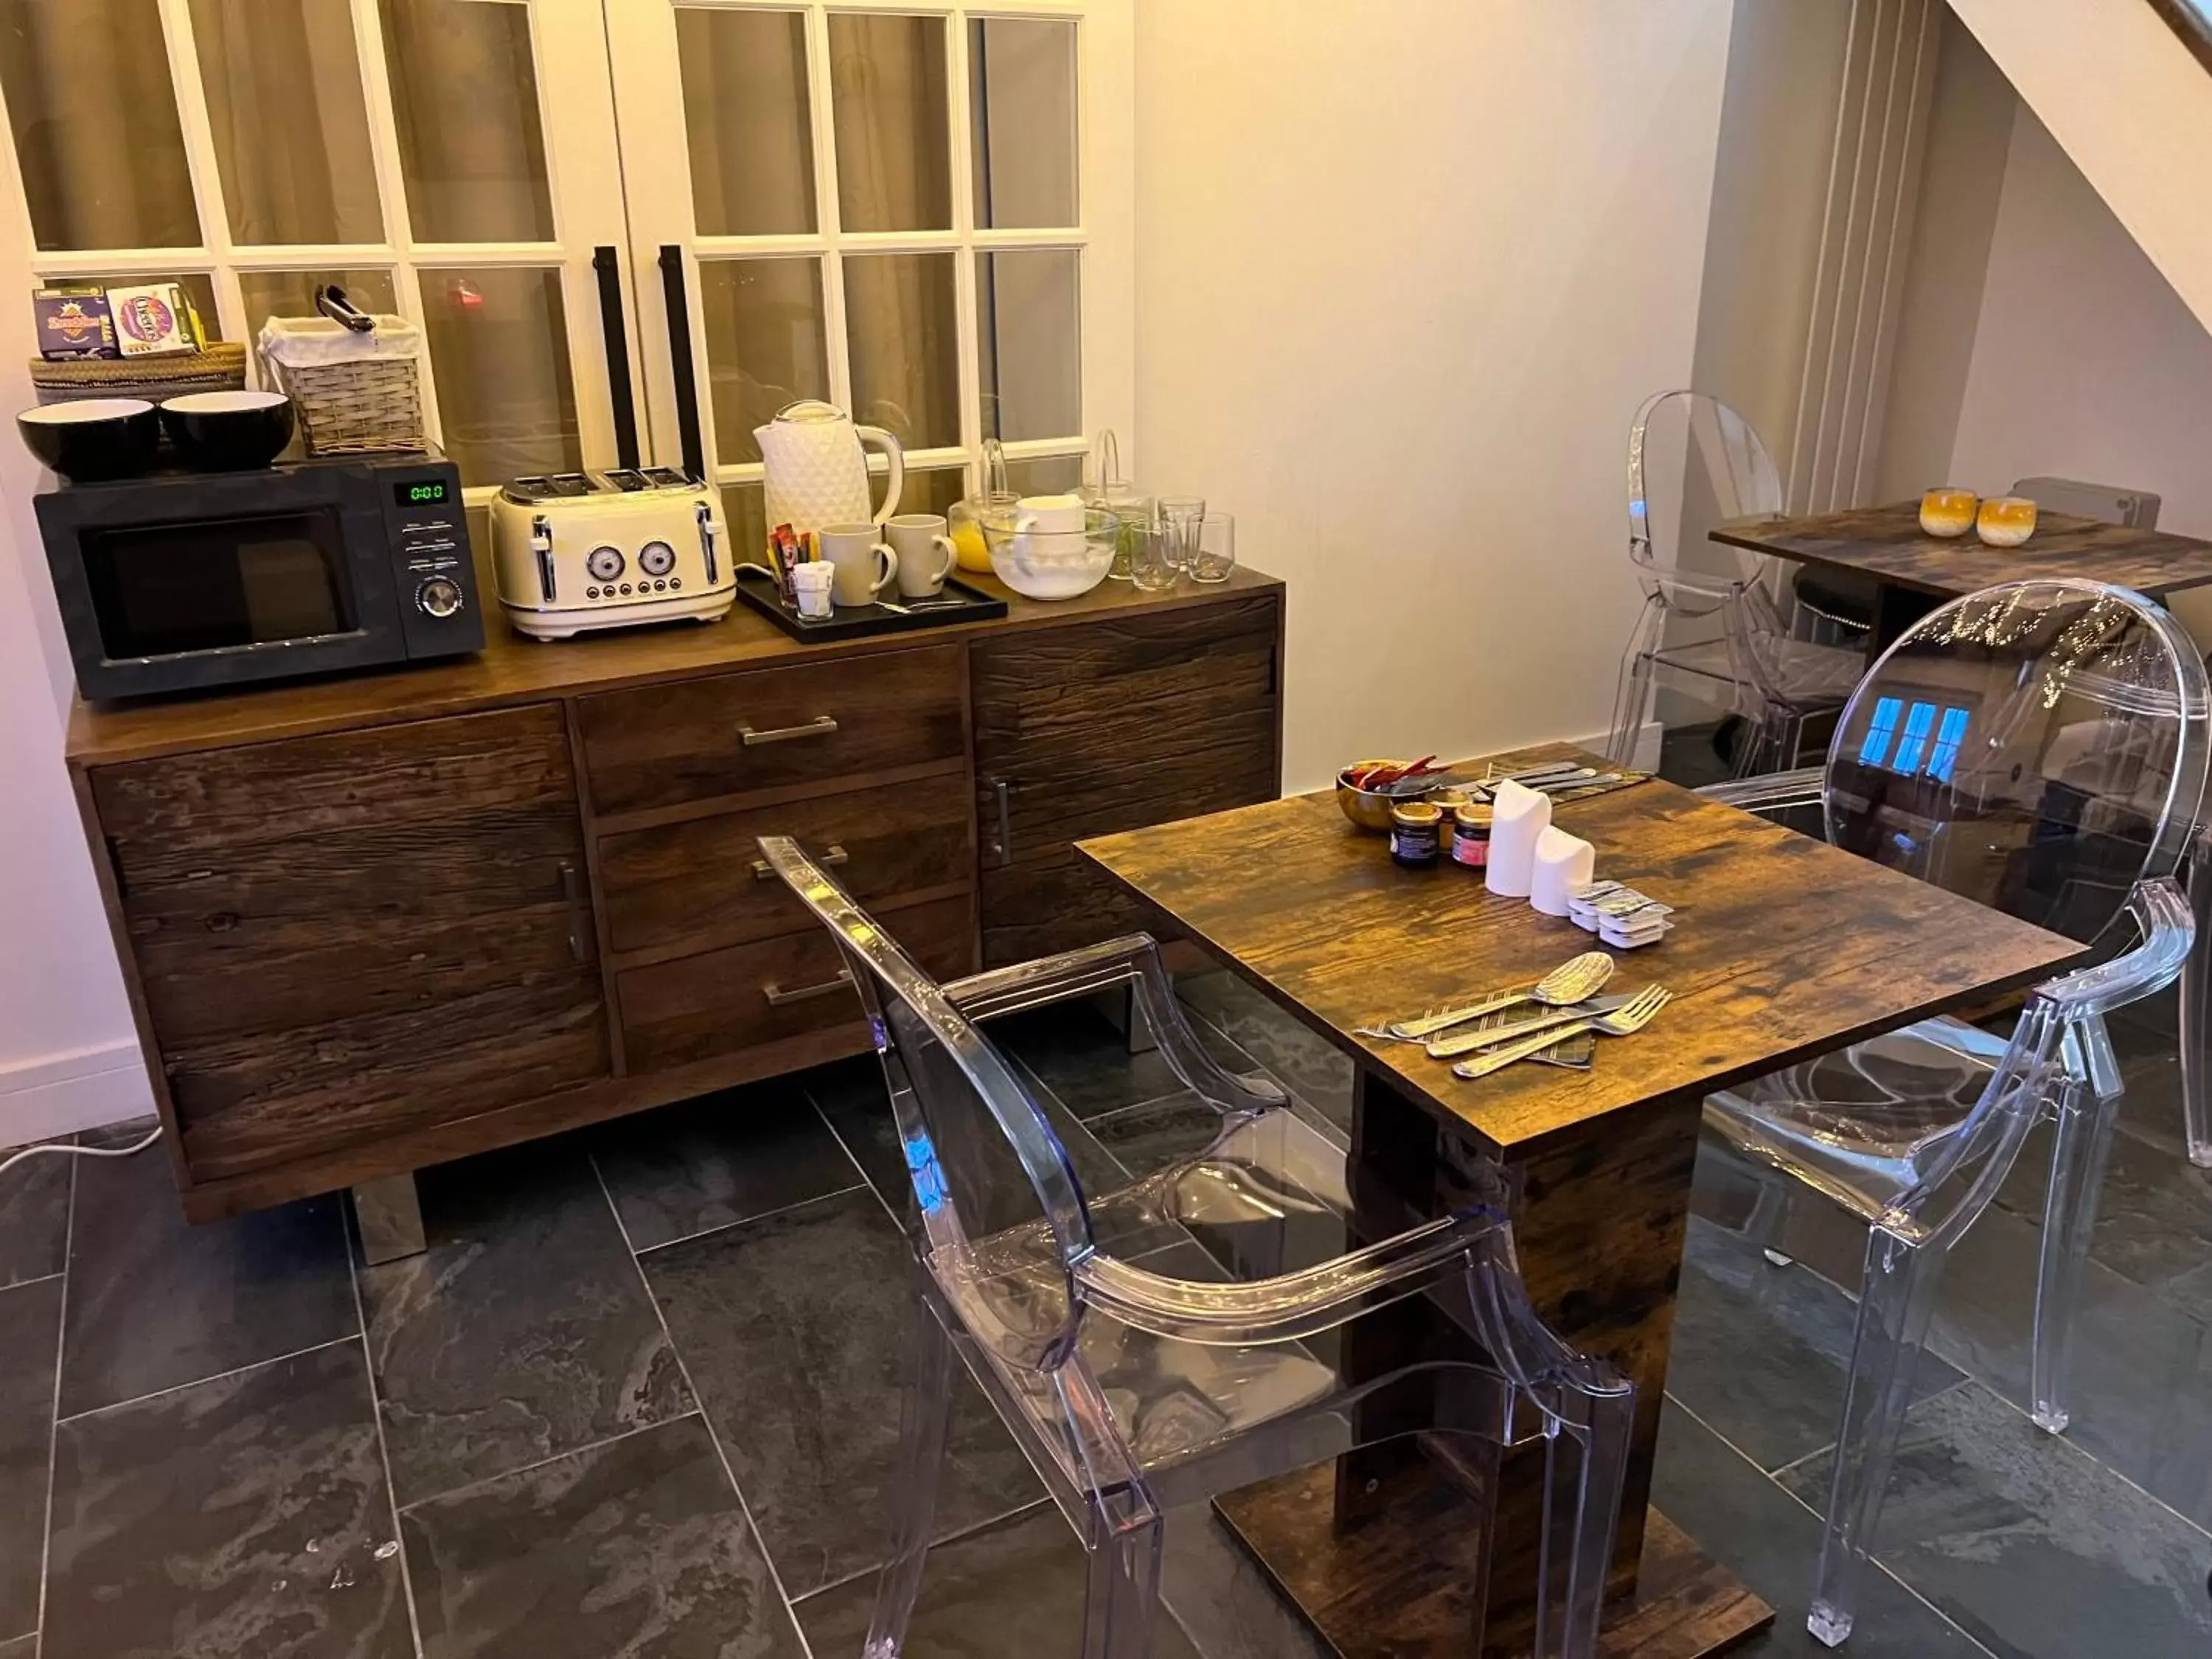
(919, 213)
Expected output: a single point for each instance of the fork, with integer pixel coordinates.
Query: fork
(1625, 1022)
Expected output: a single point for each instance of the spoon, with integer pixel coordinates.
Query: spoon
(1573, 980)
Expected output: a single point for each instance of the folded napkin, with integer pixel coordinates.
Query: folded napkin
(1563, 863)
(1518, 815)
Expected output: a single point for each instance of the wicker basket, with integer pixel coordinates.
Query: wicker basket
(220, 367)
(355, 393)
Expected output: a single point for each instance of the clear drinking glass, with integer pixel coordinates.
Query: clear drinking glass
(1179, 520)
(1150, 566)
(1214, 555)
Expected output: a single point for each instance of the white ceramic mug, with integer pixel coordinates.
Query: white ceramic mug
(925, 553)
(865, 565)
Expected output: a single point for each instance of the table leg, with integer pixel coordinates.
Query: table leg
(1895, 609)
(390, 1216)
(1384, 1552)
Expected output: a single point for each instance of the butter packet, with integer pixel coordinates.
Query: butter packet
(72, 321)
(155, 320)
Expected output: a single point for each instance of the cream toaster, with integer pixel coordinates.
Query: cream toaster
(577, 551)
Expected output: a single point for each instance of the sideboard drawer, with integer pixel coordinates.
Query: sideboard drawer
(665, 745)
(723, 1001)
(704, 878)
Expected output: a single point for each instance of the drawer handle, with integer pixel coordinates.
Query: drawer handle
(1002, 792)
(831, 855)
(579, 910)
(820, 726)
(777, 996)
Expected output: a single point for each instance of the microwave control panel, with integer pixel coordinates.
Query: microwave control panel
(433, 570)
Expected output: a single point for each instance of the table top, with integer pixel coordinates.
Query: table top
(1783, 948)
(1888, 543)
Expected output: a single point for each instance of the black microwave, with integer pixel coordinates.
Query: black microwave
(181, 581)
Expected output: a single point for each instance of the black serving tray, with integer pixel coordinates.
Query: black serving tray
(758, 590)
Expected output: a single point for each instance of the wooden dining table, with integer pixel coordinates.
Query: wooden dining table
(1916, 572)
(1783, 948)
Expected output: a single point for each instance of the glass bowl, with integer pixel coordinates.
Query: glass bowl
(1040, 564)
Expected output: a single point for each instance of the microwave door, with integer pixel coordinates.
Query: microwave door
(223, 601)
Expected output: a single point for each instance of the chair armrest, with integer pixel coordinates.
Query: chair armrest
(1290, 1307)
(1133, 960)
(2168, 930)
(1771, 793)
(1047, 980)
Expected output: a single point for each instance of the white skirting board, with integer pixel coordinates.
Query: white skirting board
(60, 1094)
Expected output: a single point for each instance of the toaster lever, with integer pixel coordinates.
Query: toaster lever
(710, 531)
(541, 544)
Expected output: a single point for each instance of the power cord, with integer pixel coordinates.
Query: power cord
(9, 1163)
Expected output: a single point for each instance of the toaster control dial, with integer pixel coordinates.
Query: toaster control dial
(605, 563)
(440, 597)
(656, 558)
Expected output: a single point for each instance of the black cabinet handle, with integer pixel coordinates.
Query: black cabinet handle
(608, 264)
(679, 356)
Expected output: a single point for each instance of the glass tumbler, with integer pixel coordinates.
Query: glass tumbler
(1179, 520)
(1214, 555)
(1149, 566)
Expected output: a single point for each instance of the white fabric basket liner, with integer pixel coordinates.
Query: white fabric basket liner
(311, 341)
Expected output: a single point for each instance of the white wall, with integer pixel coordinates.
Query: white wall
(2130, 105)
(2086, 363)
(1403, 274)
(1962, 180)
(68, 1056)
(1785, 72)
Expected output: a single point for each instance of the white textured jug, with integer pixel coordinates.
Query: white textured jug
(817, 472)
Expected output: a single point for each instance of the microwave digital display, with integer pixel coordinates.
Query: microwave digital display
(420, 492)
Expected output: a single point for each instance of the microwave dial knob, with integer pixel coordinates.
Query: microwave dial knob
(605, 563)
(656, 558)
(440, 597)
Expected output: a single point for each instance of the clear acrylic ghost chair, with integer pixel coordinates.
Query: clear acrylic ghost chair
(2138, 509)
(2040, 747)
(1136, 1387)
(1715, 625)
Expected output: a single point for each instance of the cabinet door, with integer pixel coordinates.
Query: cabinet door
(343, 936)
(1094, 728)
(922, 213)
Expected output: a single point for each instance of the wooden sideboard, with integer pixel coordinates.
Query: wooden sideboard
(373, 924)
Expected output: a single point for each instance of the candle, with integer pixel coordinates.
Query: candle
(1948, 511)
(2006, 521)
(1518, 814)
(1563, 863)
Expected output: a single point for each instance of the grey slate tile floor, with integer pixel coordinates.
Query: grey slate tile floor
(639, 1399)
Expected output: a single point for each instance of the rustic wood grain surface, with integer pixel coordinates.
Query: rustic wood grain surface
(1887, 544)
(1403, 1583)
(1784, 947)
(513, 670)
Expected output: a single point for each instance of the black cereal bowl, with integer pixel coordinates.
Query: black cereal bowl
(228, 431)
(93, 438)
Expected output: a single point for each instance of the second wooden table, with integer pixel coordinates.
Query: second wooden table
(1918, 571)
